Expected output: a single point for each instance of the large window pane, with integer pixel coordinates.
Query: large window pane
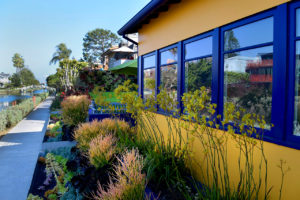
(149, 82)
(168, 79)
(297, 92)
(248, 80)
(149, 62)
(298, 22)
(251, 34)
(169, 56)
(198, 48)
(198, 73)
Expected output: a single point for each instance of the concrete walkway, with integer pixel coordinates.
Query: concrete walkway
(19, 151)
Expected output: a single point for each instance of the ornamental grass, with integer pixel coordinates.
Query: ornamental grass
(129, 182)
(75, 109)
(101, 150)
(86, 132)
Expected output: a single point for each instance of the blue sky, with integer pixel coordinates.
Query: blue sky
(34, 27)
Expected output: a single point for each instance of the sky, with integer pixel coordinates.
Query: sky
(33, 28)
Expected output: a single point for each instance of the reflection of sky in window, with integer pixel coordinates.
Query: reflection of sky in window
(254, 33)
(298, 22)
(198, 48)
(149, 62)
(238, 61)
(168, 56)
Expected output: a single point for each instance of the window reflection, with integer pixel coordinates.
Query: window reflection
(198, 73)
(251, 34)
(149, 62)
(149, 82)
(168, 80)
(198, 48)
(248, 80)
(298, 22)
(297, 92)
(169, 56)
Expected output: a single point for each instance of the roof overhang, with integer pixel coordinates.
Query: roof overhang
(150, 11)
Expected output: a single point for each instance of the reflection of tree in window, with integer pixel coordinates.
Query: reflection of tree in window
(198, 73)
(169, 79)
(252, 89)
(230, 41)
(149, 82)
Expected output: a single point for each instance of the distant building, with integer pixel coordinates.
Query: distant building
(4, 79)
(117, 55)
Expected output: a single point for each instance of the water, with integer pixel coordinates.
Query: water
(7, 100)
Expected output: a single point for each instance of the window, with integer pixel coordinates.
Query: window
(149, 76)
(198, 64)
(168, 72)
(296, 122)
(248, 73)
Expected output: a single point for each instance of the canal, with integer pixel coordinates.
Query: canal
(7, 99)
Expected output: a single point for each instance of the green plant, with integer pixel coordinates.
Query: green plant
(3, 120)
(165, 154)
(75, 109)
(101, 150)
(170, 151)
(34, 197)
(86, 132)
(130, 182)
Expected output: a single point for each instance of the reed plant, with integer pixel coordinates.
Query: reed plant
(169, 149)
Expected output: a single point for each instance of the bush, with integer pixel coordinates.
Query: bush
(12, 115)
(3, 120)
(102, 149)
(75, 109)
(86, 132)
(130, 182)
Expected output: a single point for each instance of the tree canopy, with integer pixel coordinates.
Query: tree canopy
(61, 53)
(96, 42)
(24, 78)
(18, 61)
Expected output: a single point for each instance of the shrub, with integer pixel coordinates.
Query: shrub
(14, 116)
(102, 149)
(130, 182)
(3, 120)
(86, 132)
(75, 109)
(34, 197)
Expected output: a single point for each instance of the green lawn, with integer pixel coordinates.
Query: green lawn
(110, 97)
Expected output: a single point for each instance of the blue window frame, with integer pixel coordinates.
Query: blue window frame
(148, 75)
(272, 55)
(292, 118)
(169, 70)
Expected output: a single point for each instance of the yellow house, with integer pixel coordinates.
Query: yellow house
(245, 52)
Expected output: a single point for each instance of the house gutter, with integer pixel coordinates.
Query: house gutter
(130, 40)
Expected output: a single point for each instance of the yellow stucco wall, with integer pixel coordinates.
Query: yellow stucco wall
(274, 153)
(192, 17)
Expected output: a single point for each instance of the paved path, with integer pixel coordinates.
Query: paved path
(19, 151)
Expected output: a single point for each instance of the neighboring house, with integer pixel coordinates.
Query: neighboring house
(120, 54)
(264, 41)
(4, 79)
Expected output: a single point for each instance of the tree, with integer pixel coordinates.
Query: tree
(96, 42)
(53, 81)
(18, 62)
(68, 72)
(28, 77)
(15, 80)
(62, 52)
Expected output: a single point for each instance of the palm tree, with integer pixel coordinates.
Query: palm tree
(62, 52)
